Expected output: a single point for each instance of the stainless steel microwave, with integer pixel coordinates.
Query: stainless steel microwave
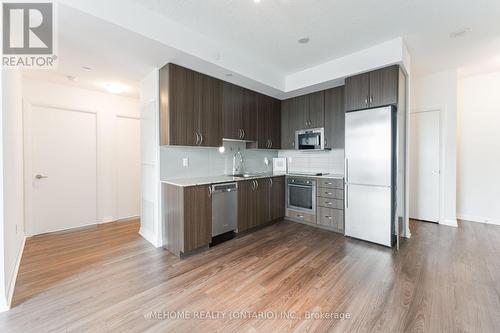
(310, 139)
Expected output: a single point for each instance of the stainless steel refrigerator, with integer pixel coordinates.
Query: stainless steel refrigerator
(374, 151)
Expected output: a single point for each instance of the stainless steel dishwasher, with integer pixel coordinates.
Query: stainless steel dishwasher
(224, 208)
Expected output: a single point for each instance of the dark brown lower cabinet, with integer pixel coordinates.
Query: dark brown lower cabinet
(277, 198)
(188, 218)
(260, 201)
(247, 205)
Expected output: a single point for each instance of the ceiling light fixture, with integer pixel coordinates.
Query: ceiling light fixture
(115, 88)
(87, 68)
(460, 33)
(303, 40)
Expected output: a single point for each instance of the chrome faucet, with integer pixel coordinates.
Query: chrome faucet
(238, 164)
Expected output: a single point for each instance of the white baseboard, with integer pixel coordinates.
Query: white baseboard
(5, 304)
(149, 236)
(107, 219)
(478, 219)
(449, 222)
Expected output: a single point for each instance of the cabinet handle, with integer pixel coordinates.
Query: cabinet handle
(328, 193)
(243, 133)
(329, 203)
(371, 100)
(270, 143)
(256, 184)
(326, 142)
(254, 187)
(293, 144)
(201, 139)
(209, 191)
(197, 138)
(271, 182)
(366, 101)
(328, 183)
(328, 217)
(300, 216)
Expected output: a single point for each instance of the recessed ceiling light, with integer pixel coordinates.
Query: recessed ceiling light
(303, 40)
(460, 33)
(115, 88)
(87, 68)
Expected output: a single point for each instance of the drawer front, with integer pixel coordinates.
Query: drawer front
(331, 183)
(330, 193)
(301, 216)
(330, 203)
(333, 218)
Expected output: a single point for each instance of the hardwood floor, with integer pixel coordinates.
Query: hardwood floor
(107, 278)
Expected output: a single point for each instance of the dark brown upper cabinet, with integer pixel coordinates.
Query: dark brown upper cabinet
(334, 118)
(190, 108)
(239, 110)
(373, 89)
(269, 123)
(301, 112)
(315, 115)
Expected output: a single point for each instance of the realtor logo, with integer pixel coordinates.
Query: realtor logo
(28, 35)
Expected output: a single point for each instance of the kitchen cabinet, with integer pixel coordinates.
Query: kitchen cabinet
(315, 115)
(373, 89)
(190, 108)
(247, 205)
(301, 112)
(334, 118)
(287, 132)
(269, 123)
(260, 201)
(330, 204)
(239, 111)
(277, 198)
(188, 218)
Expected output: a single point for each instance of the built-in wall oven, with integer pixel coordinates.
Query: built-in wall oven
(301, 194)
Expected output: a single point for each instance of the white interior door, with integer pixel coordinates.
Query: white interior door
(62, 169)
(424, 165)
(128, 172)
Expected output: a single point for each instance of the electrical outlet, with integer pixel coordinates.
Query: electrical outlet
(185, 162)
(266, 161)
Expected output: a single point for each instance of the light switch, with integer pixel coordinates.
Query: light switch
(185, 162)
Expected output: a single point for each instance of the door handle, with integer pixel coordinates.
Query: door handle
(41, 177)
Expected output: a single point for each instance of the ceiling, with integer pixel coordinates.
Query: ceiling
(269, 30)
(258, 41)
(115, 54)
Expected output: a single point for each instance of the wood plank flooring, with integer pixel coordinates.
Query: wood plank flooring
(108, 279)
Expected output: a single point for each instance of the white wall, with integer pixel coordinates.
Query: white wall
(478, 178)
(113, 199)
(13, 184)
(438, 91)
(331, 161)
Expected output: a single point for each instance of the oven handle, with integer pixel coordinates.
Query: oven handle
(303, 186)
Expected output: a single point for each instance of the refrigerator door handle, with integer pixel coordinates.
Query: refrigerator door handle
(346, 170)
(346, 196)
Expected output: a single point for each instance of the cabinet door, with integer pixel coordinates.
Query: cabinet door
(287, 133)
(263, 195)
(277, 198)
(247, 205)
(384, 86)
(299, 113)
(197, 217)
(232, 110)
(263, 116)
(316, 110)
(334, 118)
(274, 127)
(209, 111)
(179, 123)
(249, 115)
(357, 91)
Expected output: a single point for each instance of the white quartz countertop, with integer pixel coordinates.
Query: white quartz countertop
(194, 181)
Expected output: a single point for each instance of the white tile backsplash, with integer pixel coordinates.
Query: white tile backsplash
(331, 161)
(210, 162)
